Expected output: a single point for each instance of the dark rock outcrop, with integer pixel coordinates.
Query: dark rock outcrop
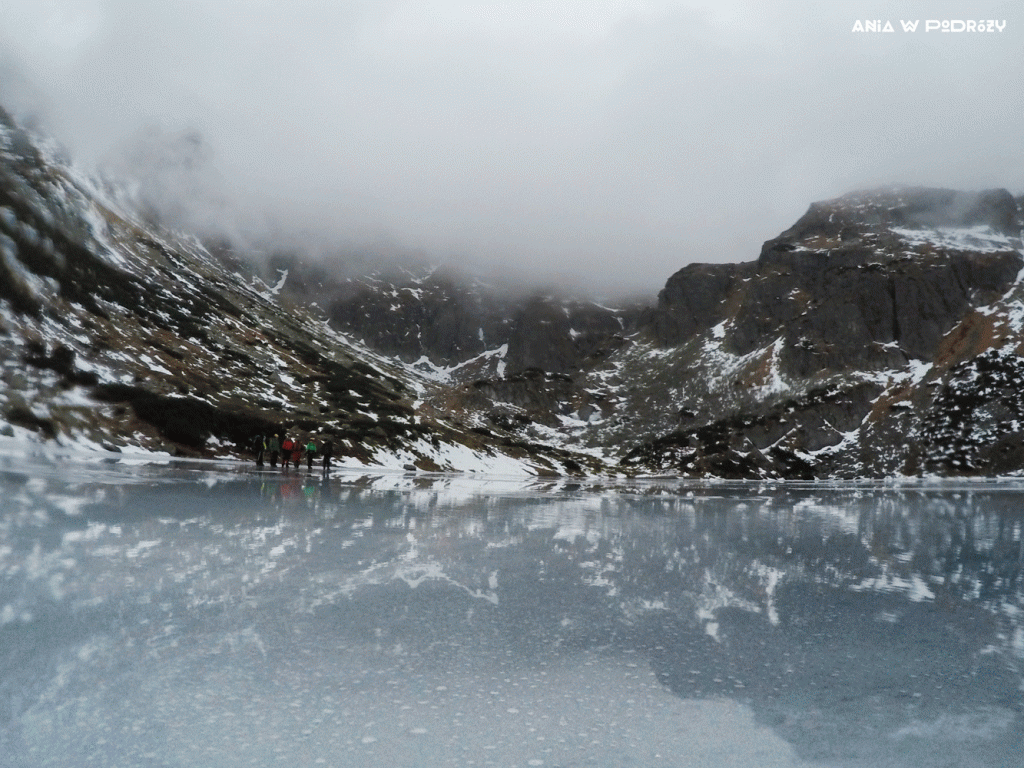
(434, 315)
(846, 292)
(778, 442)
(561, 336)
(878, 335)
(974, 424)
(450, 320)
(696, 298)
(851, 215)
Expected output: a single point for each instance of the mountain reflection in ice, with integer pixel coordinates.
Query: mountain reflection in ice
(188, 616)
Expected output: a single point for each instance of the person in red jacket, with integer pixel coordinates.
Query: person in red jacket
(287, 446)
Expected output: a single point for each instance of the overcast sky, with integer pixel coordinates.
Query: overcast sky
(600, 143)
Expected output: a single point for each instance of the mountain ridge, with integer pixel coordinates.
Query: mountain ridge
(878, 336)
(116, 336)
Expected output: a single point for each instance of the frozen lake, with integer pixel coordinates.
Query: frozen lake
(191, 614)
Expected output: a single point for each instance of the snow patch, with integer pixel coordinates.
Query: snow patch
(280, 283)
(979, 238)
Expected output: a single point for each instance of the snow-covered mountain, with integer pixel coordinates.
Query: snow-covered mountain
(880, 335)
(116, 335)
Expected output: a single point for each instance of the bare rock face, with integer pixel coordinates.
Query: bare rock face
(696, 298)
(864, 281)
(876, 336)
(450, 320)
(562, 336)
(410, 316)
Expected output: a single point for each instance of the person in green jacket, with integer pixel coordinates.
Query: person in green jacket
(274, 447)
(310, 454)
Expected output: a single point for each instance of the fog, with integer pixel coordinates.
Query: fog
(600, 144)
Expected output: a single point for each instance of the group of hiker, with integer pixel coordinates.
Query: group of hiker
(290, 450)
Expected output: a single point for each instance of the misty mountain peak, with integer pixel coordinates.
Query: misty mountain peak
(890, 219)
(880, 334)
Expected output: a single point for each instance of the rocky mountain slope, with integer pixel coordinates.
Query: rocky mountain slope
(880, 335)
(447, 319)
(115, 335)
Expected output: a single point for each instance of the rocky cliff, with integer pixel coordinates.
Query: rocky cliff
(842, 347)
(448, 320)
(868, 280)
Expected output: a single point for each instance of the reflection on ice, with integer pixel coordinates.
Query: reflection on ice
(351, 706)
(185, 615)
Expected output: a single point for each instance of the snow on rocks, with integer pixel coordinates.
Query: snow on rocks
(979, 238)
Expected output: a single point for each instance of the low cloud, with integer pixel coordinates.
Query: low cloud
(602, 145)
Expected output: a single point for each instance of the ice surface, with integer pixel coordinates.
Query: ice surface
(205, 614)
(360, 710)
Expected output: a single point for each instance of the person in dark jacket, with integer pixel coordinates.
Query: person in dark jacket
(259, 447)
(328, 451)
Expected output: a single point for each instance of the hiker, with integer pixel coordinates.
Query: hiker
(286, 451)
(274, 446)
(310, 453)
(328, 454)
(259, 446)
(296, 453)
